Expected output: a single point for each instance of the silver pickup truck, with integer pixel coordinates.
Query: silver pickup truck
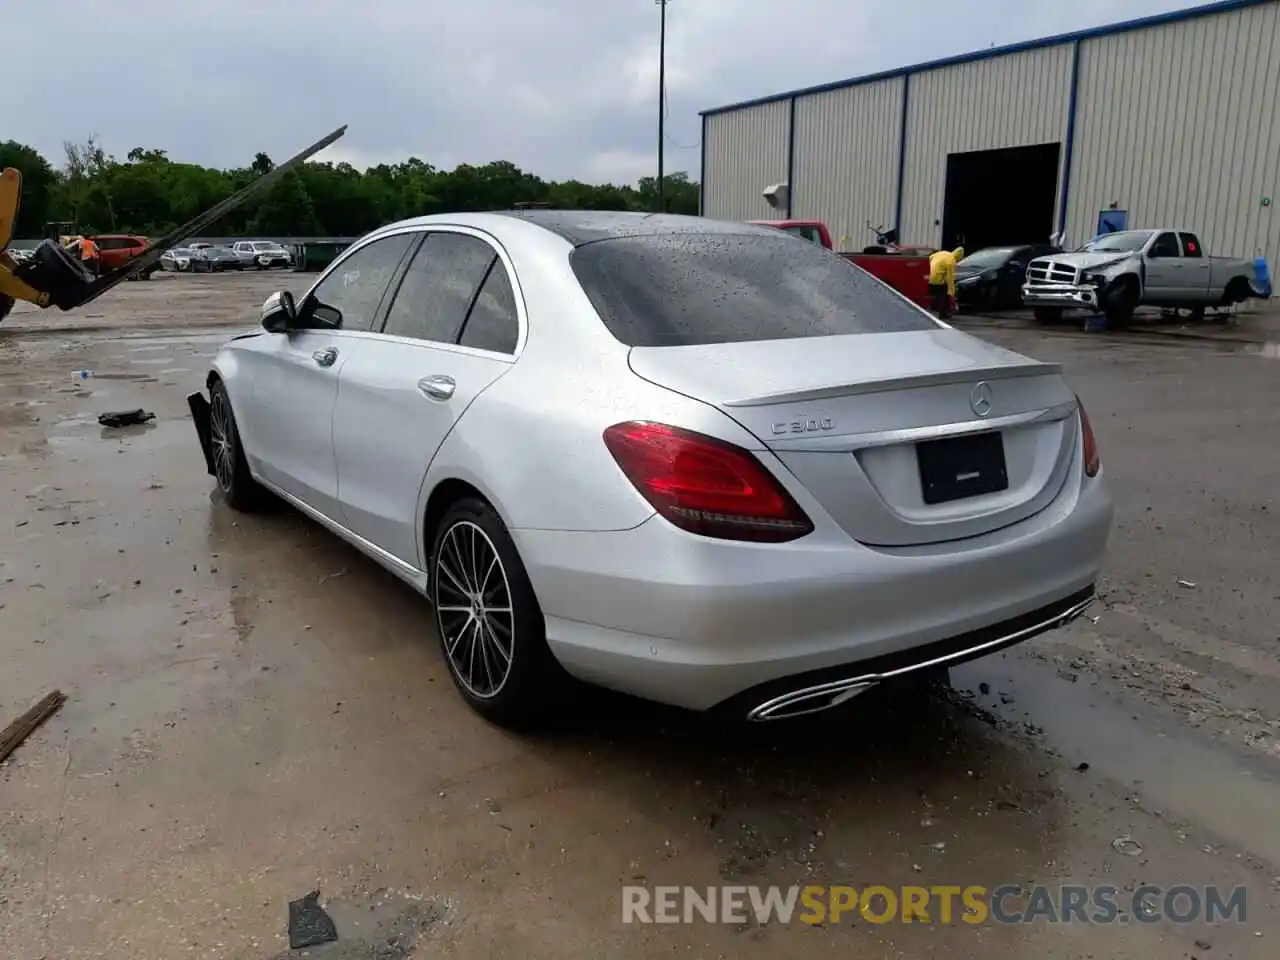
(1118, 272)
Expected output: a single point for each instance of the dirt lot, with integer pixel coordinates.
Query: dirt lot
(256, 711)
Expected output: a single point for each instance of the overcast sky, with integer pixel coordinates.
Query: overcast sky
(562, 88)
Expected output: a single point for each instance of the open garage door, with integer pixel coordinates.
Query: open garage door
(1000, 197)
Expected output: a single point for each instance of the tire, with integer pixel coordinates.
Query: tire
(235, 483)
(1047, 314)
(6, 304)
(1121, 301)
(1238, 291)
(511, 680)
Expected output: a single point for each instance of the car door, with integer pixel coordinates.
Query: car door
(452, 329)
(1163, 282)
(1196, 270)
(289, 425)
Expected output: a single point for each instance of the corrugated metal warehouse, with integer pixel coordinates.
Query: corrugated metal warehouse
(1171, 120)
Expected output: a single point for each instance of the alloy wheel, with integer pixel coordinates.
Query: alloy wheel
(221, 440)
(473, 609)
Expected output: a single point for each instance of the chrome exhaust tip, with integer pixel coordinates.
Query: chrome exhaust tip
(807, 700)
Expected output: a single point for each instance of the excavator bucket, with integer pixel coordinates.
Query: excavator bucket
(10, 203)
(56, 278)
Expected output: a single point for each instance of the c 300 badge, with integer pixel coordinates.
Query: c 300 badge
(809, 425)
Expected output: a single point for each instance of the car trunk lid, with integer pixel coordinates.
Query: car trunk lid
(904, 438)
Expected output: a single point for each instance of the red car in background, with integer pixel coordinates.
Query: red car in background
(117, 249)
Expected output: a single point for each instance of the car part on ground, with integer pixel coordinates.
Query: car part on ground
(689, 460)
(1118, 272)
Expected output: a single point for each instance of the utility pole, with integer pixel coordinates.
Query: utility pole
(662, 99)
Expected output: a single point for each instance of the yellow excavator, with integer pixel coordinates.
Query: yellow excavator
(52, 277)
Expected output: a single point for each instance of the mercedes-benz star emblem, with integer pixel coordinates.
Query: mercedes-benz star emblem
(980, 398)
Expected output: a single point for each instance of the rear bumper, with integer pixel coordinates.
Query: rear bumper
(1067, 296)
(698, 623)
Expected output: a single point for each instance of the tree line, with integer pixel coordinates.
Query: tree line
(147, 193)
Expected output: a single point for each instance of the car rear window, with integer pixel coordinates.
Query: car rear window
(664, 290)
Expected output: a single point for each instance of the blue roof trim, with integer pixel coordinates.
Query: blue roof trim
(1174, 16)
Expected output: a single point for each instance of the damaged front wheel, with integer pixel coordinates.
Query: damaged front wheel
(230, 467)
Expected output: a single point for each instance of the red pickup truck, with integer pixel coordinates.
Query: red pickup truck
(906, 269)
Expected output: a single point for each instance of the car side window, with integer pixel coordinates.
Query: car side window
(348, 297)
(1191, 245)
(493, 323)
(1166, 245)
(439, 287)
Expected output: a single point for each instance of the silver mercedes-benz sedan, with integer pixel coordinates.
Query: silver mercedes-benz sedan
(705, 463)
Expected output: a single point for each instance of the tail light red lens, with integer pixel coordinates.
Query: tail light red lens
(1092, 460)
(705, 485)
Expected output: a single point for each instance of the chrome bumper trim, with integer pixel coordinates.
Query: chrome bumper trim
(824, 696)
(1059, 295)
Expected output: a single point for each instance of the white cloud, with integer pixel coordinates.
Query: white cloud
(563, 88)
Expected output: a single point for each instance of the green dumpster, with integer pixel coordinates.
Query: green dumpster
(312, 256)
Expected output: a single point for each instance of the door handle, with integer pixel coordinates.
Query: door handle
(438, 387)
(325, 357)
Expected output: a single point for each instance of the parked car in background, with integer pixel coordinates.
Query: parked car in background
(178, 259)
(115, 250)
(1118, 272)
(262, 254)
(992, 278)
(214, 260)
(696, 461)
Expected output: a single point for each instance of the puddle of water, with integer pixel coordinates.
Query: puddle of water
(1175, 768)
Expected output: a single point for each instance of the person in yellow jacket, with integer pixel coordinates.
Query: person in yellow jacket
(942, 280)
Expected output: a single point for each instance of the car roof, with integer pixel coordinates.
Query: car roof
(578, 227)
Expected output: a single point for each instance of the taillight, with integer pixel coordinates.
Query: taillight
(705, 485)
(1092, 461)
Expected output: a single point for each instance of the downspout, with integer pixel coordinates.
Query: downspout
(902, 154)
(791, 159)
(1071, 137)
(702, 171)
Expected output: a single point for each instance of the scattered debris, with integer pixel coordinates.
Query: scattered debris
(27, 724)
(1082, 766)
(332, 576)
(1068, 676)
(126, 418)
(1187, 584)
(1203, 945)
(309, 925)
(1127, 846)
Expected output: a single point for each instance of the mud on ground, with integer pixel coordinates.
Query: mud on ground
(257, 711)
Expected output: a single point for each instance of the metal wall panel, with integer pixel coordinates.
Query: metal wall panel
(746, 151)
(1180, 125)
(846, 159)
(1011, 101)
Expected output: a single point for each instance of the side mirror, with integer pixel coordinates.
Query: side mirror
(279, 312)
(1017, 266)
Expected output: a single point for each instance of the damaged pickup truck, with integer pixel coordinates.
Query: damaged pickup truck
(1118, 272)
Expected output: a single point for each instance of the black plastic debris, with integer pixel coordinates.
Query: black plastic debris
(126, 418)
(309, 925)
